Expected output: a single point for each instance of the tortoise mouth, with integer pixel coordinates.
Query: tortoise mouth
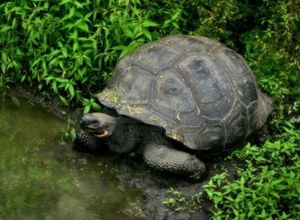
(103, 133)
(100, 133)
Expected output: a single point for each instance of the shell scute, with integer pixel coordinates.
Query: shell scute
(135, 86)
(173, 100)
(242, 78)
(156, 57)
(210, 88)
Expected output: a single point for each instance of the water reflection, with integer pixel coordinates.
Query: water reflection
(42, 178)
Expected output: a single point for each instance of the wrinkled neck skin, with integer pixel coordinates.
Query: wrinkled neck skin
(131, 135)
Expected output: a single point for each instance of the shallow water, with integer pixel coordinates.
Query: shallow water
(41, 177)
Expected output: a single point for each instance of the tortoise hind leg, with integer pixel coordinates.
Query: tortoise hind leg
(164, 158)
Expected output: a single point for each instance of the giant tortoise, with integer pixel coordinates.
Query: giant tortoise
(175, 99)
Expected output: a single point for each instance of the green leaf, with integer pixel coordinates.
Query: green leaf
(149, 23)
(72, 12)
(3, 68)
(64, 51)
(4, 57)
(5, 28)
(71, 90)
(74, 35)
(63, 2)
(83, 26)
(61, 64)
(46, 5)
(147, 34)
(78, 4)
(88, 15)
(124, 52)
(14, 23)
(64, 101)
(87, 109)
(75, 46)
(96, 106)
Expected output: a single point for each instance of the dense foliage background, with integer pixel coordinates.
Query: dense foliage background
(69, 48)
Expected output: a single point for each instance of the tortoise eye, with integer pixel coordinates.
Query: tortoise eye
(172, 86)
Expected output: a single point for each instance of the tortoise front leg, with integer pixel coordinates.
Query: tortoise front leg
(164, 158)
(87, 143)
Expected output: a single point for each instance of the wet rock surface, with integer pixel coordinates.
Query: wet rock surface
(155, 186)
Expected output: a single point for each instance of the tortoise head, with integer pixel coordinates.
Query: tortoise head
(98, 124)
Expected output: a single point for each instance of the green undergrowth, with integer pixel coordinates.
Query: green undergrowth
(267, 186)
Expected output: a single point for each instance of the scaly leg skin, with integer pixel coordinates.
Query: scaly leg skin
(164, 158)
(87, 143)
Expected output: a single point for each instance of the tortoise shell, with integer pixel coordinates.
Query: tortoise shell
(202, 93)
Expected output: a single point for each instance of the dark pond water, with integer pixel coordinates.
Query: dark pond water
(43, 178)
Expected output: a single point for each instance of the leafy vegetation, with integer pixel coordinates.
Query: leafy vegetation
(69, 48)
(267, 187)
